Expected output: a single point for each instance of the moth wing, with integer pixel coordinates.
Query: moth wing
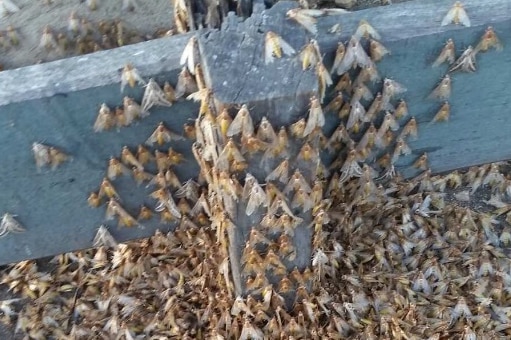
(347, 61)
(312, 12)
(326, 77)
(235, 127)
(180, 87)
(187, 58)
(310, 126)
(268, 51)
(463, 17)
(309, 23)
(334, 11)
(372, 32)
(171, 205)
(111, 210)
(361, 57)
(286, 48)
(449, 17)
(152, 138)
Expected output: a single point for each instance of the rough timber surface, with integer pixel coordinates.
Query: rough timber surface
(478, 127)
(52, 205)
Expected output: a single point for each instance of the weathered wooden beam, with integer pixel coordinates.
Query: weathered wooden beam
(56, 104)
(476, 132)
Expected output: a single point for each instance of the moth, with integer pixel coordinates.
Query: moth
(339, 56)
(466, 62)
(316, 117)
(154, 95)
(132, 110)
(443, 113)
(103, 238)
(401, 109)
(448, 54)
(107, 189)
(306, 18)
(115, 169)
(365, 30)
(354, 56)
(324, 80)
(276, 47)
(401, 149)
(254, 193)
(130, 76)
(165, 201)
(186, 84)
(48, 155)
(7, 7)
(190, 56)
(73, 23)
(162, 135)
(489, 40)
(410, 129)
(10, 225)
(265, 131)
(391, 88)
(242, 123)
(310, 54)
(367, 74)
(356, 115)
(94, 200)
(124, 218)
(456, 15)
(376, 50)
(105, 119)
(48, 41)
(443, 90)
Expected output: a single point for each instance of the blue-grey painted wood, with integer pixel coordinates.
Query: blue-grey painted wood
(52, 205)
(478, 126)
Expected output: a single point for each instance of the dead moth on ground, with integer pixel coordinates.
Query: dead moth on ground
(48, 155)
(456, 15)
(276, 47)
(10, 225)
(130, 76)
